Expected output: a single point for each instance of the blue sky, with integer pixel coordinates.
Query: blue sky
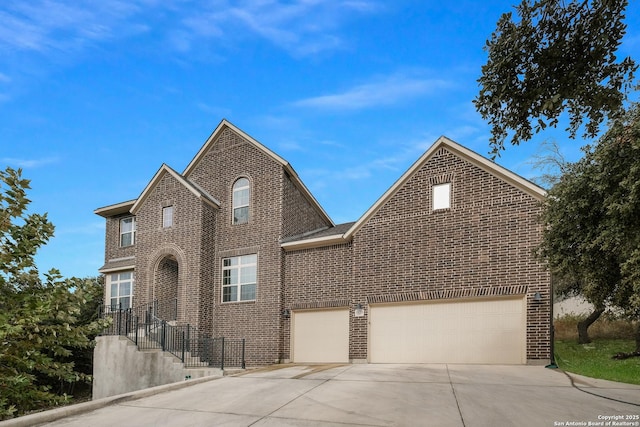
(96, 95)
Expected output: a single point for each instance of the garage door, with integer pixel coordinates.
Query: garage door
(320, 336)
(476, 331)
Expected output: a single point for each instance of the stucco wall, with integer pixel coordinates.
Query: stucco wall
(118, 367)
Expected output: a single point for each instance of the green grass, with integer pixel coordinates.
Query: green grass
(594, 359)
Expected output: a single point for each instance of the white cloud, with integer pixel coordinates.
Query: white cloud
(302, 27)
(62, 25)
(28, 163)
(391, 90)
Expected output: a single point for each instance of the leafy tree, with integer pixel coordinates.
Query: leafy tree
(560, 56)
(591, 240)
(40, 320)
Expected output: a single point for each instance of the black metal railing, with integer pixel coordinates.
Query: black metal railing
(147, 330)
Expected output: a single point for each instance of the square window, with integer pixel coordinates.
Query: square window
(121, 287)
(442, 196)
(239, 275)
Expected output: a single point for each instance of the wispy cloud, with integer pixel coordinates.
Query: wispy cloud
(28, 163)
(61, 25)
(385, 91)
(302, 27)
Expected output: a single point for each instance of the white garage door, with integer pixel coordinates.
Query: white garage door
(476, 331)
(320, 336)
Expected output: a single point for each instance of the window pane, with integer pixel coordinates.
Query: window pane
(114, 290)
(241, 198)
(125, 303)
(167, 216)
(241, 215)
(230, 277)
(249, 259)
(125, 276)
(248, 292)
(126, 225)
(248, 274)
(125, 239)
(242, 182)
(114, 303)
(230, 293)
(442, 196)
(125, 289)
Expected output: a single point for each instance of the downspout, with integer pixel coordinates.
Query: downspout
(552, 360)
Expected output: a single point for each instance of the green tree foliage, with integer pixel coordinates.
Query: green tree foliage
(42, 322)
(591, 240)
(560, 56)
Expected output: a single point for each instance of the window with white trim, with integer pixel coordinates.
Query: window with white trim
(442, 196)
(241, 193)
(167, 216)
(127, 231)
(121, 290)
(239, 278)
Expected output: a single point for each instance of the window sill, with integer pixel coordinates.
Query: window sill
(238, 302)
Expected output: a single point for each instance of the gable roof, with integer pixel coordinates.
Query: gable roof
(225, 124)
(189, 185)
(442, 142)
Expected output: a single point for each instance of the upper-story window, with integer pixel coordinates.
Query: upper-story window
(241, 192)
(442, 196)
(167, 216)
(127, 231)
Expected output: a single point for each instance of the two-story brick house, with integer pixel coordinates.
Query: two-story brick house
(439, 269)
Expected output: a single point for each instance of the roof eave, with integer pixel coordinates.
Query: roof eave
(116, 209)
(318, 242)
(307, 194)
(225, 123)
(188, 185)
(119, 268)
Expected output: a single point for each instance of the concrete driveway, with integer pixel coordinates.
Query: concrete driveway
(379, 395)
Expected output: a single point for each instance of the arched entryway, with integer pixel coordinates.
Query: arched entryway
(165, 281)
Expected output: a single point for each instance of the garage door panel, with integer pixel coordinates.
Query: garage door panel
(480, 331)
(321, 336)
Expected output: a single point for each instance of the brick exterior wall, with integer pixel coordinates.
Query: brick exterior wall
(180, 244)
(298, 216)
(276, 208)
(317, 278)
(480, 247)
(112, 249)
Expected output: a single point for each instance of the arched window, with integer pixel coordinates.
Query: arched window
(241, 194)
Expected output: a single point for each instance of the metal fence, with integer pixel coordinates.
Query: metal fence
(147, 330)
